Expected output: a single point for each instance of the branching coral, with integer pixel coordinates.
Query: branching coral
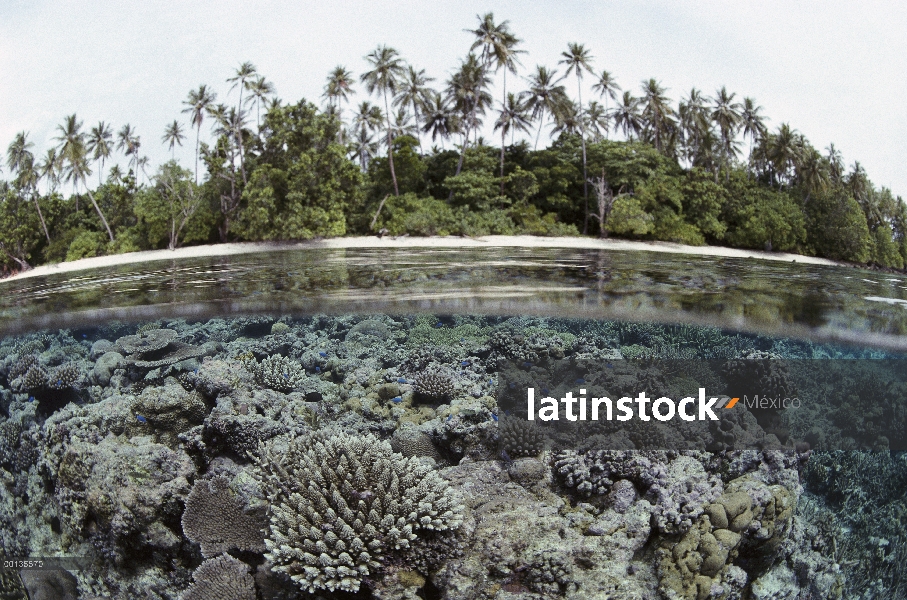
(341, 506)
(278, 373)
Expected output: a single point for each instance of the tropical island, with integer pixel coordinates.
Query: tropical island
(389, 153)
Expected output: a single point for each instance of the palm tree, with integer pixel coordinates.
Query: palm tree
(414, 91)
(513, 117)
(695, 125)
(241, 79)
(606, 88)
(174, 136)
(467, 92)
(544, 96)
(338, 89)
(578, 59)
(115, 175)
(812, 171)
(259, 89)
(403, 125)
(384, 78)
(100, 145)
(129, 143)
(50, 169)
(198, 103)
(498, 45)
(568, 118)
(21, 161)
(784, 150)
(597, 121)
(727, 116)
(367, 120)
(835, 164)
(75, 156)
(751, 121)
(439, 119)
(627, 116)
(657, 115)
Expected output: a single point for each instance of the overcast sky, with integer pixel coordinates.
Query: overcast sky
(834, 70)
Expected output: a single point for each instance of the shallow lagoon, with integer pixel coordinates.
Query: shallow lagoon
(236, 422)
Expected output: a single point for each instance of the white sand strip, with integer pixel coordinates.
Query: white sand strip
(516, 241)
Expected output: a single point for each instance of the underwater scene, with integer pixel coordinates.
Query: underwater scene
(461, 454)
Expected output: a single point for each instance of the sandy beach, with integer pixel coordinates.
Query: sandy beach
(522, 241)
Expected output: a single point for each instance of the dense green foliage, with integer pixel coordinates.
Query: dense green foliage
(275, 171)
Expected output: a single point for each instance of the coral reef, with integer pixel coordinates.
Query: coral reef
(219, 521)
(342, 506)
(221, 578)
(434, 385)
(278, 373)
(520, 437)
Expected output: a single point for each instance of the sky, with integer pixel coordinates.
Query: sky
(835, 71)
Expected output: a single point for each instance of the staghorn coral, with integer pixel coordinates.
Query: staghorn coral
(435, 385)
(341, 506)
(278, 373)
(218, 521)
(221, 578)
(22, 365)
(520, 437)
(65, 376)
(34, 378)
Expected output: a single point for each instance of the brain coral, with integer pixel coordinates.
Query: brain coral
(341, 506)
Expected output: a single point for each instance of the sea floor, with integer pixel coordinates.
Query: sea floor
(391, 456)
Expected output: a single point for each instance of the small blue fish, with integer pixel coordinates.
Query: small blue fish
(545, 391)
(610, 366)
(318, 369)
(84, 336)
(141, 419)
(580, 381)
(401, 380)
(59, 383)
(494, 416)
(286, 375)
(491, 382)
(527, 364)
(512, 385)
(195, 371)
(439, 324)
(464, 363)
(449, 417)
(322, 354)
(397, 399)
(31, 398)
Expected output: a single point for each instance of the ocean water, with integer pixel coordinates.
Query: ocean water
(545, 423)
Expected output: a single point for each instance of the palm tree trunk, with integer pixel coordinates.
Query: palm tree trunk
(198, 133)
(41, 216)
(502, 160)
(582, 125)
(390, 149)
(100, 214)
